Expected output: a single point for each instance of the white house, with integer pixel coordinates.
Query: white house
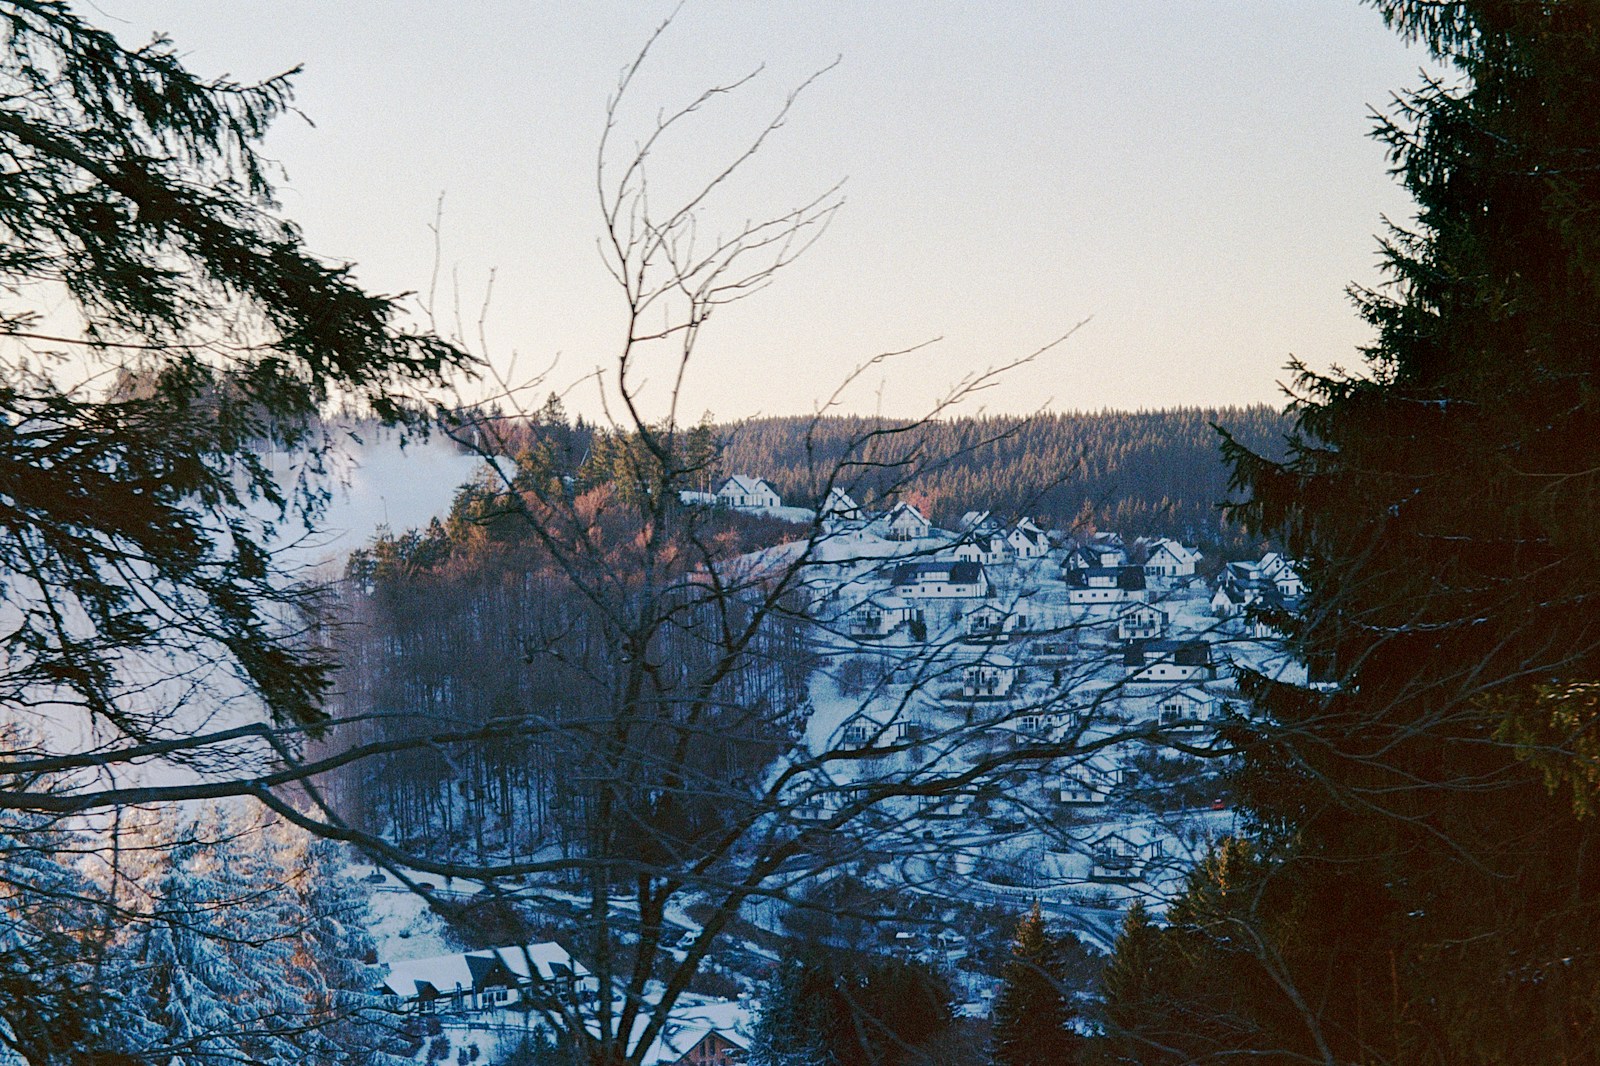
(1272, 563)
(987, 623)
(990, 549)
(967, 552)
(863, 732)
(1185, 710)
(489, 979)
(877, 617)
(1283, 575)
(905, 522)
(840, 506)
(1274, 571)
(939, 579)
(989, 679)
(978, 522)
(747, 493)
(1085, 784)
(1123, 857)
(1167, 558)
(1229, 601)
(1105, 584)
(1028, 540)
(1140, 621)
(1099, 549)
(1169, 661)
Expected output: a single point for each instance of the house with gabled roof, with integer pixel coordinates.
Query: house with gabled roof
(990, 678)
(990, 549)
(904, 522)
(1228, 601)
(1141, 621)
(840, 506)
(877, 616)
(1166, 558)
(938, 579)
(1123, 856)
(1028, 540)
(1087, 784)
(1186, 710)
(747, 493)
(489, 979)
(978, 522)
(1168, 661)
(1104, 584)
(701, 1031)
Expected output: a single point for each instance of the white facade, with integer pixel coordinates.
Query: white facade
(941, 580)
(1084, 785)
(1169, 559)
(1119, 857)
(1166, 661)
(839, 505)
(991, 679)
(1141, 622)
(489, 979)
(1028, 540)
(1104, 595)
(905, 522)
(1185, 709)
(745, 493)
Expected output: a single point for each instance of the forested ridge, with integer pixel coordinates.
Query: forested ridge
(1135, 472)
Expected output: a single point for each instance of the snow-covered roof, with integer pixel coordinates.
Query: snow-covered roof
(1031, 534)
(839, 500)
(442, 973)
(446, 973)
(902, 510)
(1178, 551)
(742, 483)
(549, 960)
(690, 1023)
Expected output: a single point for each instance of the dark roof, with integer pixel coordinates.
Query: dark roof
(1182, 652)
(486, 970)
(1128, 577)
(964, 573)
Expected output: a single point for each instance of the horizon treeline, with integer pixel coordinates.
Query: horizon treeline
(1138, 473)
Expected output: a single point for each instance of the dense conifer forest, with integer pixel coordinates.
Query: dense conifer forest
(1136, 472)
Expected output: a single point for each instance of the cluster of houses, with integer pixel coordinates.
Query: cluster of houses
(1008, 610)
(1272, 582)
(701, 1032)
(1018, 616)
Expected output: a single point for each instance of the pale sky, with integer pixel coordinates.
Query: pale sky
(1194, 178)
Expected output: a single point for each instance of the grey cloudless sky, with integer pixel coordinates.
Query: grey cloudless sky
(1194, 178)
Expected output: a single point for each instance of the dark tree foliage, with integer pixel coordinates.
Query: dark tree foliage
(1426, 889)
(162, 331)
(187, 325)
(1143, 473)
(1032, 1012)
(473, 621)
(839, 1010)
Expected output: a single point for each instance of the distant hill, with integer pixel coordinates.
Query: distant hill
(1138, 473)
